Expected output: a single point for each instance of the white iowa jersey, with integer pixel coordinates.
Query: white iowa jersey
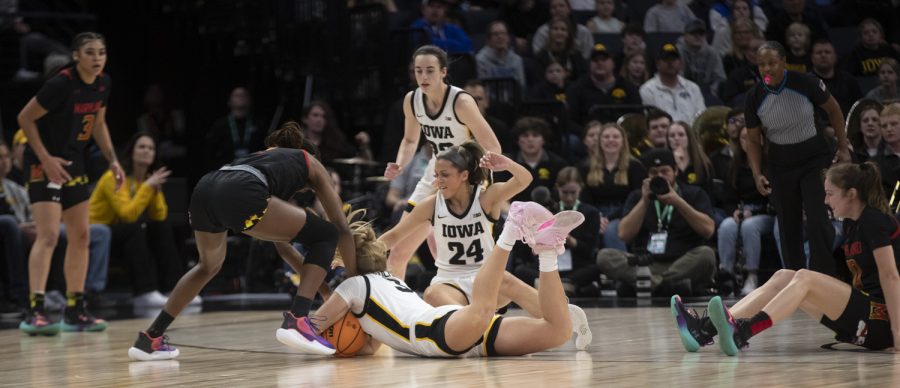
(443, 130)
(463, 240)
(395, 315)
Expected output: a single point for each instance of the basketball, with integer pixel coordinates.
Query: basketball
(346, 335)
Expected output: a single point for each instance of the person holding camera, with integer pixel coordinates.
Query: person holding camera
(671, 222)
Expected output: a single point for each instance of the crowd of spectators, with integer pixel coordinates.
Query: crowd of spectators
(589, 160)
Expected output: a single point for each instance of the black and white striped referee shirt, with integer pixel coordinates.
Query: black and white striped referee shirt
(787, 111)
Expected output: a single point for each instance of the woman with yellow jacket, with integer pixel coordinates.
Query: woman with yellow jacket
(137, 214)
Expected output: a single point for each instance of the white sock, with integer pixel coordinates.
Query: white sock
(547, 261)
(507, 239)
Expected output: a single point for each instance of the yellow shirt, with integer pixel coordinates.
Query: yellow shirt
(109, 206)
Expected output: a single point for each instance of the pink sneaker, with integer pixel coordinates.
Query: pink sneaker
(524, 217)
(552, 235)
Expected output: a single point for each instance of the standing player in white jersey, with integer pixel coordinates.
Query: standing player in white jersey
(461, 214)
(393, 314)
(448, 117)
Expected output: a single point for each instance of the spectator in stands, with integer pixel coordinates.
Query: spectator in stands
(749, 216)
(605, 22)
(733, 47)
(583, 40)
(17, 153)
(840, 83)
(593, 96)
(389, 5)
(796, 11)
(658, 122)
(479, 93)
(404, 185)
(887, 88)
(866, 57)
(720, 159)
(137, 214)
(634, 68)
(236, 134)
(166, 124)
(701, 63)
(867, 140)
(16, 229)
(671, 92)
(668, 16)
(543, 164)
(798, 41)
(445, 35)
(524, 17)
(743, 78)
(693, 166)
(723, 14)
(632, 43)
(553, 86)
(497, 59)
(577, 263)
(889, 161)
(611, 173)
(673, 227)
(320, 129)
(560, 47)
(31, 43)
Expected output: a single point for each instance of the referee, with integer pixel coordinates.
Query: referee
(784, 105)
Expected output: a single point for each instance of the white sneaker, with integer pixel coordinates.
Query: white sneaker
(581, 327)
(150, 299)
(749, 284)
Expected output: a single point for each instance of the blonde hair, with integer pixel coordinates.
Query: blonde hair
(890, 110)
(371, 254)
(595, 175)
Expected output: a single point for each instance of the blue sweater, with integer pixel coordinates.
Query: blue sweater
(449, 37)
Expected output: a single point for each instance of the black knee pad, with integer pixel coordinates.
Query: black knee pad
(320, 238)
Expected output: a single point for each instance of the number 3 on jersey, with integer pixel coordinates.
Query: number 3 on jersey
(87, 127)
(475, 251)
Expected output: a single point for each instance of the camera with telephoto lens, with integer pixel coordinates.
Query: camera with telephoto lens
(659, 186)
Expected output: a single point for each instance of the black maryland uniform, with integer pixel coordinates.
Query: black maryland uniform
(72, 107)
(236, 196)
(865, 320)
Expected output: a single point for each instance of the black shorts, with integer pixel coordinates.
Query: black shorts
(864, 322)
(70, 194)
(228, 200)
(435, 332)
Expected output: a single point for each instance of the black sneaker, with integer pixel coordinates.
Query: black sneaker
(732, 337)
(82, 321)
(690, 326)
(147, 348)
(37, 323)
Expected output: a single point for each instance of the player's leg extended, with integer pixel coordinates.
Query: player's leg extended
(756, 300)
(468, 324)
(555, 328)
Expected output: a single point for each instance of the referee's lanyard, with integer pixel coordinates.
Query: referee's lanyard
(657, 243)
(574, 208)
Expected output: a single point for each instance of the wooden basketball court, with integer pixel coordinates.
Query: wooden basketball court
(633, 347)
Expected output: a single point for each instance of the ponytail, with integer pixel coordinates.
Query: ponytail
(865, 178)
(466, 157)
